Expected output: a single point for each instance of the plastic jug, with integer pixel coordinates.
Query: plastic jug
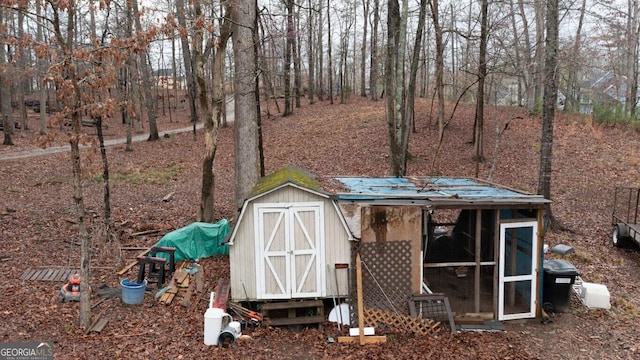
(213, 319)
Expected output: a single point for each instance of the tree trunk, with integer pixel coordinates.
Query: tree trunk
(211, 118)
(539, 54)
(439, 85)
(373, 71)
(247, 165)
(572, 93)
(413, 74)
(22, 81)
(5, 95)
(186, 58)
(42, 67)
(394, 75)
(631, 60)
(330, 69)
(146, 79)
(256, 43)
(297, 76)
(320, 55)
(528, 66)
(548, 109)
(363, 48)
(287, 60)
(311, 85)
(478, 140)
(73, 102)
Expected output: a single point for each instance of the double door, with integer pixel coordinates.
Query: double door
(290, 248)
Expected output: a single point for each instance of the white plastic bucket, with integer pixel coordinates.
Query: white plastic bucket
(213, 318)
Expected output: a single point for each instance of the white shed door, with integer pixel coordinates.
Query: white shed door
(290, 248)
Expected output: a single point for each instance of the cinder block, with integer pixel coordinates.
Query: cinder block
(595, 296)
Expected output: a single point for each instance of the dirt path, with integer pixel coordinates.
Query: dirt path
(58, 149)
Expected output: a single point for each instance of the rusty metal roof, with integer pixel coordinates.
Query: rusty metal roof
(436, 190)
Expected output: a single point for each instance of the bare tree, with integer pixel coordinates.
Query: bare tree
(311, 85)
(68, 79)
(247, 164)
(478, 139)
(373, 70)
(397, 121)
(363, 47)
(287, 59)
(439, 85)
(572, 101)
(631, 57)
(146, 78)
(5, 91)
(549, 105)
(415, 61)
(211, 116)
(181, 11)
(42, 69)
(330, 68)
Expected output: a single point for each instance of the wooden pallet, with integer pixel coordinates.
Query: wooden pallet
(295, 312)
(48, 274)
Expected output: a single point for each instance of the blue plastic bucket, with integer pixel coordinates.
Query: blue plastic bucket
(133, 292)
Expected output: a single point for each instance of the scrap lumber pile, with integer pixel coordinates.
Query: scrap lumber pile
(179, 281)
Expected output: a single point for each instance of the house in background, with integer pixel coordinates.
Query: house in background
(478, 243)
(165, 79)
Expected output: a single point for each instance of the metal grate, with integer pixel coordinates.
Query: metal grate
(432, 306)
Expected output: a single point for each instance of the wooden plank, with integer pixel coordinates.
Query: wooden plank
(360, 300)
(60, 275)
(296, 320)
(43, 274)
(292, 305)
(54, 273)
(181, 275)
(184, 283)
(35, 275)
(67, 274)
(26, 275)
(133, 263)
(222, 294)
(366, 340)
(186, 302)
(199, 278)
(97, 325)
(100, 325)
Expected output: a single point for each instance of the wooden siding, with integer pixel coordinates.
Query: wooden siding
(396, 223)
(243, 251)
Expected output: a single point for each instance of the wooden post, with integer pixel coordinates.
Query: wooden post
(362, 339)
(360, 299)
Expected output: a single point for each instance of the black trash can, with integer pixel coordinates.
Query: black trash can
(558, 279)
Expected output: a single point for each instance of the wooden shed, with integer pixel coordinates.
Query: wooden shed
(478, 243)
(287, 232)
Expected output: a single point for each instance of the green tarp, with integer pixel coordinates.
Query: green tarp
(197, 241)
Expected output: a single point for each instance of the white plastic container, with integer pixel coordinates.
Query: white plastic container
(213, 319)
(595, 296)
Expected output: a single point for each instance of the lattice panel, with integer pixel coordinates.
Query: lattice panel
(386, 275)
(376, 318)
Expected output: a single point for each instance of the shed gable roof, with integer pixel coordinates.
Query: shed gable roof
(290, 174)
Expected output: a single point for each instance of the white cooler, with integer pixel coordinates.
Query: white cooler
(595, 296)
